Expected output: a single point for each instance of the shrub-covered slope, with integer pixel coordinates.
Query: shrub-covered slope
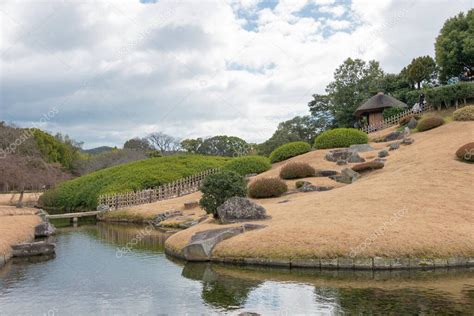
(82, 193)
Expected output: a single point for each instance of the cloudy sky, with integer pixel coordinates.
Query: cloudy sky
(116, 69)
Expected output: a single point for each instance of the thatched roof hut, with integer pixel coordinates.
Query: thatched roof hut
(373, 107)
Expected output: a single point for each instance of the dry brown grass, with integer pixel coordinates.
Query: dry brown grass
(16, 226)
(12, 198)
(424, 179)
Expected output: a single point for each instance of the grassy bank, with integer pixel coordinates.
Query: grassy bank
(82, 193)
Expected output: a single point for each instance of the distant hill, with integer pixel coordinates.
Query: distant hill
(98, 150)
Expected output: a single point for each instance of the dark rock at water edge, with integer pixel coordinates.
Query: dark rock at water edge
(33, 249)
(45, 229)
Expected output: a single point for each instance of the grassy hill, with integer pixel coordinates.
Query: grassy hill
(81, 193)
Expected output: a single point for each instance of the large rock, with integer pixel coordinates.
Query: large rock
(360, 148)
(338, 154)
(367, 166)
(393, 136)
(238, 209)
(341, 162)
(309, 187)
(325, 173)
(347, 176)
(355, 158)
(33, 249)
(394, 146)
(44, 229)
(202, 243)
(412, 123)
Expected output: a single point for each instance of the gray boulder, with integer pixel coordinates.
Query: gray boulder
(347, 176)
(394, 146)
(103, 208)
(44, 229)
(360, 148)
(383, 153)
(408, 141)
(393, 136)
(238, 209)
(33, 249)
(202, 243)
(308, 187)
(355, 158)
(341, 162)
(325, 173)
(338, 154)
(412, 123)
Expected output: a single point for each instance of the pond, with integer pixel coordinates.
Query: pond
(122, 270)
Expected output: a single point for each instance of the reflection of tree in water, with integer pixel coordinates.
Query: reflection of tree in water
(399, 302)
(220, 290)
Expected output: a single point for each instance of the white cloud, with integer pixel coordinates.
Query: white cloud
(119, 69)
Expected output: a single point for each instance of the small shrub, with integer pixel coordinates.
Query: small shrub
(248, 164)
(464, 114)
(289, 150)
(266, 188)
(429, 122)
(218, 188)
(296, 170)
(299, 184)
(466, 152)
(340, 137)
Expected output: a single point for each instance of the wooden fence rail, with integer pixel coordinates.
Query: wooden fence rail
(395, 119)
(163, 192)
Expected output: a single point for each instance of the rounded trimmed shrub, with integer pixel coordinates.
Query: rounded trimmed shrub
(464, 114)
(218, 188)
(340, 137)
(429, 122)
(289, 150)
(466, 152)
(296, 170)
(266, 188)
(249, 164)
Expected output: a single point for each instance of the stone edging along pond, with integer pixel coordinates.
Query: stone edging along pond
(376, 263)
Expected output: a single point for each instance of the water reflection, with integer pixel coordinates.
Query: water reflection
(94, 280)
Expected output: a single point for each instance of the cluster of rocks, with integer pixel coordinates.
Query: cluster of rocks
(36, 248)
(347, 176)
(345, 156)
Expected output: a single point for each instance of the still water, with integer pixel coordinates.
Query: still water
(112, 269)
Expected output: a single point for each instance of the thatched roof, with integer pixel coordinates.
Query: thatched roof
(377, 103)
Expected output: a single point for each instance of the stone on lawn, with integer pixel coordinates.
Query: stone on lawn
(412, 123)
(394, 146)
(325, 173)
(355, 158)
(366, 166)
(341, 162)
(238, 209)
(308, 187)
(338, 154)
(360, 148)
(393, 136)
(383, 153)
(408, 141)
(347, 176)
(44, 229)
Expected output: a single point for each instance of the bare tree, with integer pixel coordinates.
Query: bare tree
(164, 143)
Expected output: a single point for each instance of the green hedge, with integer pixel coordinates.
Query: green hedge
(447, 95)
(340, 137)
(82, 193)
(289, 150)
(249, 164)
